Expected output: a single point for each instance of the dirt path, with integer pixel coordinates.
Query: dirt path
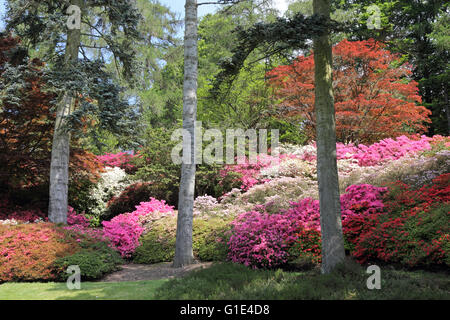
(138, 272)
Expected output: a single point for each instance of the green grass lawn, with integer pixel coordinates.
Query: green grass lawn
(89, 291)
(231, 281)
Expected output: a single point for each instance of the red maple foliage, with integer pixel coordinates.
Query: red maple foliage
(374, 96)
(26, 131)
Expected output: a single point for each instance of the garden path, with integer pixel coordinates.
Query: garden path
(164, 270)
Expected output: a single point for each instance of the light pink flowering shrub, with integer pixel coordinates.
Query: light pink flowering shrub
(123, 231)
(250, 172)
(375, 154)
(389, 149)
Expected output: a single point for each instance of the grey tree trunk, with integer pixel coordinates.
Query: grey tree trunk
(183, 247)
(59, 166)
(330, 209)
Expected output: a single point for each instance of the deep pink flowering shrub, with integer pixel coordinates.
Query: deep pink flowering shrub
(360, 200)
(121, 160)
(124, 230)
(259, 239)
(76, 219)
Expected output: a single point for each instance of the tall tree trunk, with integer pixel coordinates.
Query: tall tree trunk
(59, 166)
(330, 208)
(183, 247)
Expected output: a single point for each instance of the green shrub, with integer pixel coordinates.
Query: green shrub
(132, 196)
(95, 260)
(209, 240)
(158, 244)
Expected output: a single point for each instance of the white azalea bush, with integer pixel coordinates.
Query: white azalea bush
(112, 182)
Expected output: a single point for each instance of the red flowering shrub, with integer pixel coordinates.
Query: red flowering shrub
(307, 246)
(414, 232)
(28, 251)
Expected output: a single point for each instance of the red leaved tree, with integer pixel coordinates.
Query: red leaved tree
(374, 96)
(26, 132)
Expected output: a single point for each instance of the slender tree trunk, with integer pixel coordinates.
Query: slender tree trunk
(330, 208)
(59, 166)
(183, 248)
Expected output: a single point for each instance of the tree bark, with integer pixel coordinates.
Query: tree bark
(183, 247)
(330, 208)
(59, 166)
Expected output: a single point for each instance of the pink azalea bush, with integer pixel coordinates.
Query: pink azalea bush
(250, 172)
(260, 239)
(121, 160)
(80, 224)
(124, 230)
(375, 154)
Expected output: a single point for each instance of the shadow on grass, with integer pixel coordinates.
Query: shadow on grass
(347, 282)
(232, 281)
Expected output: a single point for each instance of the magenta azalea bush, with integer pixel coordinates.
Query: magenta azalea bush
(260, 239)
(80, 224)
(124, 230)
(121, 160)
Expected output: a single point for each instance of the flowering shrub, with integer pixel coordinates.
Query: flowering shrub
(260, 239)
(307, 247)
(10, 212)
(121, 160)
(24, 215)
(290, 166)
(112, 182)
(123, 231)
(375, 154)
(360, 200)
(205, 204)
(249, 172)
(80, 225)
(389, 149)
(414, 232)
(28, 251)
